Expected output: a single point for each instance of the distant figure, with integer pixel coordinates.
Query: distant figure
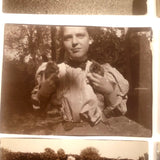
(139, 7)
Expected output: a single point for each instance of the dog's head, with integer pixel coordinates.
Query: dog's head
(51, 68)
(95, 67)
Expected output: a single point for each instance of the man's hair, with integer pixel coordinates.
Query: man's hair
(90, 30)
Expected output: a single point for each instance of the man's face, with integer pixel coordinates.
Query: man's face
(76, 42)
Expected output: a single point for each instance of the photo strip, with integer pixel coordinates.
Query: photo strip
(78, 7)
(58, 149)
(76, 81)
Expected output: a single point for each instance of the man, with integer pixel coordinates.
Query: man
(84, 94)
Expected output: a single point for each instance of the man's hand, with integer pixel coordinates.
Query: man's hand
(100, 84)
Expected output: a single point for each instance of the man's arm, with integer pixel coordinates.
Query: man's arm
(113, 86)
(103, 86)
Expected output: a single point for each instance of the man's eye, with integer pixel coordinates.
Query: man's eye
(67, 37)
(80, 35)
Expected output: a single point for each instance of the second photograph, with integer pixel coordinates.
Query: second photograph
(76, 80)
(58, 149)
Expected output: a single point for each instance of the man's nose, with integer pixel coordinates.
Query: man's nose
(74, 41)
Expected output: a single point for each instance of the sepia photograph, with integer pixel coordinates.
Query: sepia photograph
(85, 7)
(76, 80)
(56, 149)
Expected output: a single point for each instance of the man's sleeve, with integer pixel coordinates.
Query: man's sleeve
(120, 86)
(39, 78)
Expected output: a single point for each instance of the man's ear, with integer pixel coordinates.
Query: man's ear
(90, 40)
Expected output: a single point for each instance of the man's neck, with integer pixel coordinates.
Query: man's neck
(77, 64)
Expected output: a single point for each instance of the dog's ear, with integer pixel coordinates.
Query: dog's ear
(96, 68)
(51, 68)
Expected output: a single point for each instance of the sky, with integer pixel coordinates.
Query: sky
(110, 149)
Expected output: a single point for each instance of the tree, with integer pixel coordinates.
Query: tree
(61, 154)
(90, 153)
(27, 45)
(49, 154)
(4, 154)
(146, 156)
(141, 158)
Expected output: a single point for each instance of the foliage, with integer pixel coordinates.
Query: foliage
(144, 157)
(109, 47)
(49, 154)
(90, 153)
(61, 154)
(27, 46)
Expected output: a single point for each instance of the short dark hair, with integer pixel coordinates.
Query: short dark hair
(90, 30)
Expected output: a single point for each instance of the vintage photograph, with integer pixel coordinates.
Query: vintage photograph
(76, 80)
(94, 7)
(56, 149)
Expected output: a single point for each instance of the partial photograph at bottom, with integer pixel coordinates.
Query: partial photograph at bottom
(58, 149)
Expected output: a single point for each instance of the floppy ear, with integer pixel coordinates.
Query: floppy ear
(90, 40)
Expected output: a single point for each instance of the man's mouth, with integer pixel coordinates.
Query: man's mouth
(75, 50)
